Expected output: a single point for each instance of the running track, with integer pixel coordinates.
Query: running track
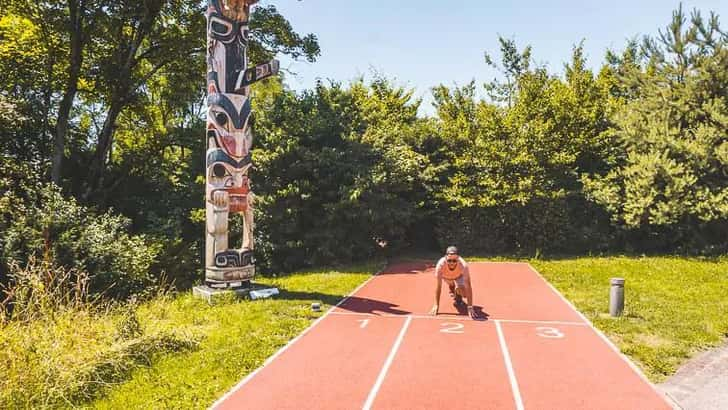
(378, 349)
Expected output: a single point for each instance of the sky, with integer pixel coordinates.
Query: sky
(421, 44)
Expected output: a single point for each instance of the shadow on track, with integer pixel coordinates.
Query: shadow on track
(366, 305)
(352, 303)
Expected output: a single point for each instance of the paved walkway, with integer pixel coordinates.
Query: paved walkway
(702, 383)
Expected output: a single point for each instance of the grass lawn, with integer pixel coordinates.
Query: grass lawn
(674, 307)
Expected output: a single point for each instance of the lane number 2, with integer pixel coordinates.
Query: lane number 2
(452, 328)
(364, 323)
(549, 332)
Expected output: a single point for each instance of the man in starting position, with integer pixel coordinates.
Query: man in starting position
(453, 269)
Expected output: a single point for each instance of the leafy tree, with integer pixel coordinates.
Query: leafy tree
(29, 72)
(272, 34)
(79, 27)
(513, 65)
(141, 43)
(513, 174)
(673, 171)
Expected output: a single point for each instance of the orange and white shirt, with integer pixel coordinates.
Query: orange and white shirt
(443, 271)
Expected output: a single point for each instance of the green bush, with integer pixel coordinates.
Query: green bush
(38, 221)
(553, 226)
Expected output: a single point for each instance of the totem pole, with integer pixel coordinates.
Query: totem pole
(229, 140)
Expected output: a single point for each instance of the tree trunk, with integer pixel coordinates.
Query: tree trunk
(122, 89)
(98, 163)
(76, 59)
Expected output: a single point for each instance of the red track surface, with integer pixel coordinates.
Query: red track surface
(378, 349)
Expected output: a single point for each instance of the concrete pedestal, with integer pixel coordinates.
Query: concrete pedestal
(247, 291)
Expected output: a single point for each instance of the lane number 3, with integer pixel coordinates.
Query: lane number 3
(549, 332)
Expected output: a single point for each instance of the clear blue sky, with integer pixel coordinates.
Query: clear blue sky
(420, 44)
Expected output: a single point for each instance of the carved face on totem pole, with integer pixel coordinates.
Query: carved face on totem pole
(229, 137)
(227, 124)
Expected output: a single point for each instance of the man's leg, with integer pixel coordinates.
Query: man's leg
(459, 291)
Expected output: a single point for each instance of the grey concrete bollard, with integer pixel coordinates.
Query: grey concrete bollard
(616, 296)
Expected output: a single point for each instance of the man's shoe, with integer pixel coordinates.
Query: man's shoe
(458, 300)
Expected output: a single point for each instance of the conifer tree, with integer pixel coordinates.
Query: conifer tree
(673, 169)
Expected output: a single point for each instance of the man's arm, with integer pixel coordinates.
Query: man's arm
(469, 292)
(438, 289)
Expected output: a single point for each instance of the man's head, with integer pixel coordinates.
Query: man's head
(451, 256)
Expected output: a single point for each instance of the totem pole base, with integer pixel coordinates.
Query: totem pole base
(215, 275)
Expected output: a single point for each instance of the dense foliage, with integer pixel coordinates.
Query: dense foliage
(38, 222)
(105, 99)
(671, 173)
(339, 173)
(513, 177)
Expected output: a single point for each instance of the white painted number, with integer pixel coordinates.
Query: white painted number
(549, 332)
(364, 323)
(452, 328)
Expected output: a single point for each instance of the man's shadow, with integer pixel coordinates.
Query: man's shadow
(365, 305)
(480, 314)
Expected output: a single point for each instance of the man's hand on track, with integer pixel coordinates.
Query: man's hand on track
(472, 313)
(434, 310)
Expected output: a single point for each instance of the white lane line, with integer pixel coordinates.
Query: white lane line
(389, 315)
(463, 318)
(385, 368)
(287, 345)
(606, 340)
(543, 322)
(509, 367)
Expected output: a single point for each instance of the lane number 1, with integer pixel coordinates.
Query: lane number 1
(364, 323)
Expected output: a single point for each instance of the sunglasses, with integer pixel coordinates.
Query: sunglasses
(451, 260)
